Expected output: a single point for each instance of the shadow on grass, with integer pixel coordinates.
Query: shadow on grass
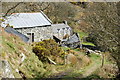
(92, 77)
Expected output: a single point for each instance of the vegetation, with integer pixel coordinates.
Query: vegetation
(83, 37)
(12, 48)
(97, 25)
(104, 28)
(48, 49)
(84, 67)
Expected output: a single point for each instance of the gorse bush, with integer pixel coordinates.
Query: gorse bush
(48, 48)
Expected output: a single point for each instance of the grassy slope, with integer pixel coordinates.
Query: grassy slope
(90, 70)
(95, 64)
(31, 67)
(12, 47)
(87, 70)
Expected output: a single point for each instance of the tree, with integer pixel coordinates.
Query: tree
(104, 30)
(10, 9)
(16, 7)
(58, 12)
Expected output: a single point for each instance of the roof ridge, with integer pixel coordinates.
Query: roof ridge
(20, 12)
(46, 17)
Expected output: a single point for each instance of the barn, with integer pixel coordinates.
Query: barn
(36, 26)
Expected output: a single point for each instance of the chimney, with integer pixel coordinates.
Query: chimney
(65, 22)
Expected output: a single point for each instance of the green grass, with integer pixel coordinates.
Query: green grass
(11, 45)
(31, 66)
(65, 48)
(94, 56)
(88, 43)
(82, 34)
(95, 60)
(76, 49)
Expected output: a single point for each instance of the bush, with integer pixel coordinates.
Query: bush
(48, 48)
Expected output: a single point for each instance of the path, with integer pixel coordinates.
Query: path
(62, 74)
(91, 70)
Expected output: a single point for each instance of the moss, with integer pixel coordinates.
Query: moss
(3, 55)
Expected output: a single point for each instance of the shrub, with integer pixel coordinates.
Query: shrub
(48, 48)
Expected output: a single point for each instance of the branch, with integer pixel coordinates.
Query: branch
(12, 8)
(46, 7)
(51, 61)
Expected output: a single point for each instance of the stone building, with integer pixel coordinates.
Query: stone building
(36, 26)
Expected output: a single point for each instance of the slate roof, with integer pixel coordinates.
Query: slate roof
(20, 20)
(72, 42)
(74, 38)
(55, 27)
(14, 32)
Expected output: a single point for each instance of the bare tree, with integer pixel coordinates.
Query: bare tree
(104, 28)
(13, 7)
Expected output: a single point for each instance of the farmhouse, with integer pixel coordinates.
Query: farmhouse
(37, 26)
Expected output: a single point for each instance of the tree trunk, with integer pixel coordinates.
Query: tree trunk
(103, 60)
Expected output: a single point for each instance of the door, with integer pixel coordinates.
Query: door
(31, 37)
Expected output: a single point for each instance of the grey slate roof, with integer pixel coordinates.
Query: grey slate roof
(74, 38)
(20, 20)
(14, 32)
(55, 27)
(72, 42)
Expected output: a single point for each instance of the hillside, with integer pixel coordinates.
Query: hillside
(18, 57)
(97, 25)
(23, 62)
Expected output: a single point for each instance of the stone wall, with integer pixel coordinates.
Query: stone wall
(61, 32)
(42, 33)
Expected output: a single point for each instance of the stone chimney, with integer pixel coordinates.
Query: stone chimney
(65, 22)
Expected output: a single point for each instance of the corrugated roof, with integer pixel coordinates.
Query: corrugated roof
(19, 20)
